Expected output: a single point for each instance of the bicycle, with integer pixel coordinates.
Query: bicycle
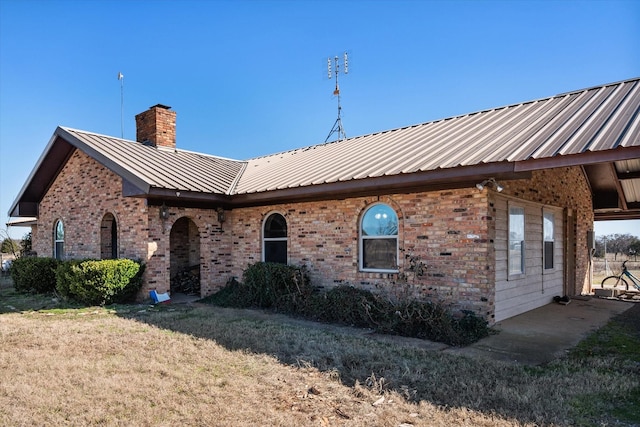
(620, 280)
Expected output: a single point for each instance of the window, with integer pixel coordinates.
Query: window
(548, 221)
(58, 240)
(379, 239)
(516, 240)
(274, 241)
(109, 237)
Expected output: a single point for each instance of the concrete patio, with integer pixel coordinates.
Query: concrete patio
(546, 333)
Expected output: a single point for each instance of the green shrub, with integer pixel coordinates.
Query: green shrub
(470, 328)
(64, 277)
(33, 274)
(411, 318)
(101, 282)
(348, 305)
(273, 285)
(232, 295)
(287, 290)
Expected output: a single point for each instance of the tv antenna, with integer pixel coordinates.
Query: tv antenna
(337, 126)
(121, 78)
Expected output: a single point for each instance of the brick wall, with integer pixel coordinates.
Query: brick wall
(214, 251)
(446, 230)
(451, 232)
(82, 194)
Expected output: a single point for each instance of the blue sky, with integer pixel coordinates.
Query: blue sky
(248, 78)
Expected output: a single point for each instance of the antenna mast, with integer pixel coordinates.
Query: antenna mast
(337, 126)
(121, 78)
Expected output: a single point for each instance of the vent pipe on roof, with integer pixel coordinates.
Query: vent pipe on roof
(157, 126)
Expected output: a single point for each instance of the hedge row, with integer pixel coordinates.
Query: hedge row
(90, 282)
(287, 289)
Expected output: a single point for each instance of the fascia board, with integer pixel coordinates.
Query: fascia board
(35, 169)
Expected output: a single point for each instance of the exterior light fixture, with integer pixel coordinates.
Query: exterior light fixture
(491, 181)
(164, 212)
(221, 217)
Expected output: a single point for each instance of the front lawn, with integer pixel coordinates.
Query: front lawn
(205, 365)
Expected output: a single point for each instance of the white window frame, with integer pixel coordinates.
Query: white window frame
(552, 221)
(56, 240)
(274, 239)
(522, 243)
(362, 238)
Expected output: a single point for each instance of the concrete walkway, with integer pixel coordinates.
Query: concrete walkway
(546, 333)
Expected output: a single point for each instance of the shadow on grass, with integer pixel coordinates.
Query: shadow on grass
(412, 368)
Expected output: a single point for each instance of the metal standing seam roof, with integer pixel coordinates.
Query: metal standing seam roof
(597, 128)
(163, 168)
(595, 119)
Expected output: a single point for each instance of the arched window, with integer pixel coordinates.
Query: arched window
(379, 239)
(58, 240)
(274, 239)
(109, 237)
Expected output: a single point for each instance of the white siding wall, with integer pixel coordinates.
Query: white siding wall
(536, 287)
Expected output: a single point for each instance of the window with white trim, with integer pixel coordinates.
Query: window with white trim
(516, 240)
(58, 240)
(548, 229)
(379, 239)
(274, 239)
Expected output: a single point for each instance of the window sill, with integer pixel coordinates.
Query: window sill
(370, 270)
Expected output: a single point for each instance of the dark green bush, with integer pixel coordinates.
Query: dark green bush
(287, 290)
(33, 274)
(348, 306)
(101, 282)
(411, 318)
(470, 328)
(232, 295)
(64, 277)
(272, 285)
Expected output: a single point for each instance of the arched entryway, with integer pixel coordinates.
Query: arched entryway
(184, 246)
(108, 237)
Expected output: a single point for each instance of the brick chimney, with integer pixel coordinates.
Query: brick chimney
(157, 126)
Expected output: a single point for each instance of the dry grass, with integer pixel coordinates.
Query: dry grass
(202, 365)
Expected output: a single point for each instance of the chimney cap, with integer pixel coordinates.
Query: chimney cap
(164, 107)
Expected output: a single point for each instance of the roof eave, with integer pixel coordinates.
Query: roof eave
(440, 179)
(186, 198)
(14, 210)
(579, 159)
(47, 170)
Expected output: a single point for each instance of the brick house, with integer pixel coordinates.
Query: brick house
(497, 206)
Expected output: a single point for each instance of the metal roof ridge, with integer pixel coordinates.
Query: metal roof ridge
(597, 86)
(234, 184)
(460, 116)
(70, 129)
(180, 150)
(159, 148)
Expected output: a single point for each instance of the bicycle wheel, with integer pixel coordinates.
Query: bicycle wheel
(615, 282)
